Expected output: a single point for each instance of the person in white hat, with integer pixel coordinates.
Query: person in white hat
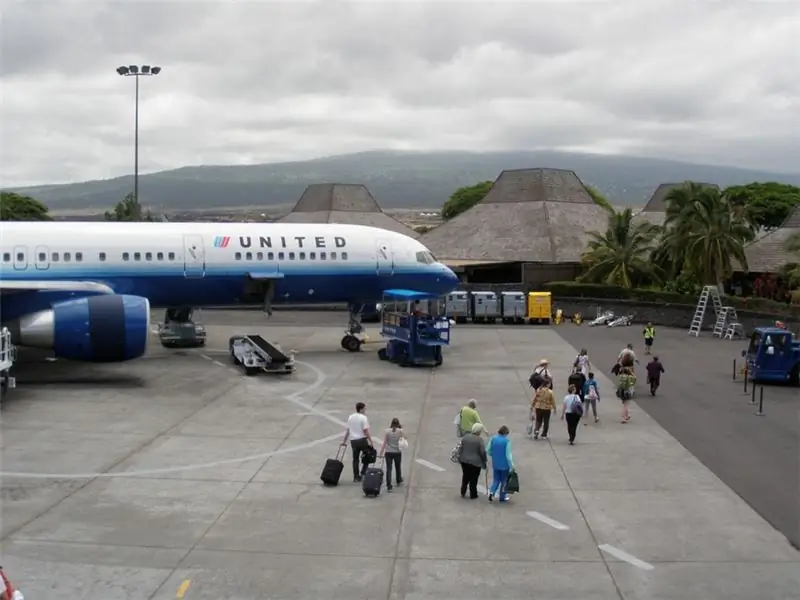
(543, 371)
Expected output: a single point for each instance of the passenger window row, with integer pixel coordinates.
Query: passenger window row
(291, 255)
(137, 256)
(160, 256)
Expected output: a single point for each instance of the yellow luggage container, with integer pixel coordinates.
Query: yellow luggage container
(540, 307)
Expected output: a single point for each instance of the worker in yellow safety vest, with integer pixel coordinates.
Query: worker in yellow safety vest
(649, 336)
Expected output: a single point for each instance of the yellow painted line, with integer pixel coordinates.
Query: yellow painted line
(183, 588)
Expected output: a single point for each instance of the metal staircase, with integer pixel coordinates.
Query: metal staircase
(725, 316)
(709, 291)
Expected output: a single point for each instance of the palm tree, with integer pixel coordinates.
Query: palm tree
(703, 234)
(620, 256)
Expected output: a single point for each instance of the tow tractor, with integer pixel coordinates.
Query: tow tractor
(256, 355)
(414, 339)
(179, 330)
(773, 355)
(8, 354)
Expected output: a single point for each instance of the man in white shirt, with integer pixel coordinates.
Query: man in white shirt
(360, 438)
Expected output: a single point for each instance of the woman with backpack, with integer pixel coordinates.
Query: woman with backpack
(573, 411)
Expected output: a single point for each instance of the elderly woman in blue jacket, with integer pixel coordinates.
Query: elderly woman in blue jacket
(498, 448)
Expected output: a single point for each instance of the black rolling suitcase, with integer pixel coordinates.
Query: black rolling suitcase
(333, 468)
(373, 480)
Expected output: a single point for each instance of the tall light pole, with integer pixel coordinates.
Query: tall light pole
(136, 71)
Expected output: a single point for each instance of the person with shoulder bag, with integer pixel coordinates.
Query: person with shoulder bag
(472, 458)
(573, 411)
(392, 452)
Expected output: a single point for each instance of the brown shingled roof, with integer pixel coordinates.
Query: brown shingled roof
(769, 254)
(529, 215)
(348, 204)
(657, 202)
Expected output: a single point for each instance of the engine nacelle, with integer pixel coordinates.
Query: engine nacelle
(106, 328)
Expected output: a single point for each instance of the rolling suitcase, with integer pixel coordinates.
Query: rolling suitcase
(373, 480)
(333, 468)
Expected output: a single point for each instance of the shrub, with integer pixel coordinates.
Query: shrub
(574, 289)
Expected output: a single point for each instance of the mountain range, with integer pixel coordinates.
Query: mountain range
(396, 179)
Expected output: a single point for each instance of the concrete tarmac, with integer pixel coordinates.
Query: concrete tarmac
(701, 405)
(177, 476)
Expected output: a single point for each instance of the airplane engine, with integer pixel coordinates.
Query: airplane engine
(107, 328)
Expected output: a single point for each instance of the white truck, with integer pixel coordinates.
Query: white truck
(8, 354)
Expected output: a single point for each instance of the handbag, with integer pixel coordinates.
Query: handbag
(403, 444)
(455, 454)
(457, 423)
(512, 483)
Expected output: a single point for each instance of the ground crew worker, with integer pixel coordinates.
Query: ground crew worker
(649, 336)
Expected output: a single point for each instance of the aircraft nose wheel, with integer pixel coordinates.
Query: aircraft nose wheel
(351, 343)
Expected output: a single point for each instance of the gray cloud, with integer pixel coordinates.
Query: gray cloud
(248, 82)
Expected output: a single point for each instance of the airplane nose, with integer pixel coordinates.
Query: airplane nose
(450, 278)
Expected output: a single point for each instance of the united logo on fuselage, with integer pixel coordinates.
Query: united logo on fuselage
(296, 241)
(221, 241)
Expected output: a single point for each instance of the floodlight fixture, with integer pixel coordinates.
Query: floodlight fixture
(136, 72)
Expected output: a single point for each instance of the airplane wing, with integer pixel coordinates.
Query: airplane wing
(91, 287)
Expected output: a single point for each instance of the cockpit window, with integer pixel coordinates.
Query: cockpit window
(426, 258)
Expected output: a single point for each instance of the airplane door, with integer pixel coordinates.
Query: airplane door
(194, 256)
(385, 257)
(20, 258)
(42, 257)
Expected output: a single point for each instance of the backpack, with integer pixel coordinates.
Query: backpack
(592, 393)
(536, 380)
(576, 405)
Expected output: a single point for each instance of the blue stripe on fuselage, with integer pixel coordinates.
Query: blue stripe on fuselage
(223, 287)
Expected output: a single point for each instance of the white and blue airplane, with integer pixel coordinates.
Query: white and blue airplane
(85, 290)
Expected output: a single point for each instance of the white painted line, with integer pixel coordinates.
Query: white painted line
(624, 556)
(219, 364)
(206, 356)
(547, 520)
(430, 465)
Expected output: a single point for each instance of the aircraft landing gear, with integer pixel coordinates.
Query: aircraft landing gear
(352, 340)
(179, 330)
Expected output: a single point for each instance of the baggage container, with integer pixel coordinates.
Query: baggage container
(540, 307)
(513, 307)
(485, 307)
(456, 306)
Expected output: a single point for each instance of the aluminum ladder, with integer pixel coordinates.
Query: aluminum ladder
(709, 291)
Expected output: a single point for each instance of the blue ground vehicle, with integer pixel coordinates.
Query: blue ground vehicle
(414, 338)
(773, 356)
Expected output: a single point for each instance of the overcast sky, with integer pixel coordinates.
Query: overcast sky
(250, 82)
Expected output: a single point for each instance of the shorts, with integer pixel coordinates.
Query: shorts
(648, 342)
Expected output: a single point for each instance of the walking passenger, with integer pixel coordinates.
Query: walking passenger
(392, 453)
(654, 371)
(577, 379)
(649, 337)
(582, 362)
(625, 387)
(472, 456)
(540, 374)
(544, 404)
(466, 418)
(572, 410)
(499, 450)
(360, 439)
(591, 396)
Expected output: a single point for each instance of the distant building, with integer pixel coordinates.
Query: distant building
(532, 227)
(655, 211)
(347, 204)
(768, 254)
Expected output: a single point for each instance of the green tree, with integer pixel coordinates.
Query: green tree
(128, 210)
(765, 204)
(703, 234)
(465, 198)
(599, 198)
(16, 207)
(621, 256)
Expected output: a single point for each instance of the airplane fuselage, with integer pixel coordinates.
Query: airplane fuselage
(213, 264)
